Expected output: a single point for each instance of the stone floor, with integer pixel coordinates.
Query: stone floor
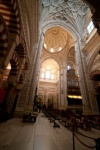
(16, 135)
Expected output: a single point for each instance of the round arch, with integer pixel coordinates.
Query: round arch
(66, 26)
(96, 52)
(4, 38)
(49, 69)
(51, 57)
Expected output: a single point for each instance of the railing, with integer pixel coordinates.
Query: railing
(74, 126)
(96, 140)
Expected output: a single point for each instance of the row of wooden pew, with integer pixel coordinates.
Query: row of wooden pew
(70, 120)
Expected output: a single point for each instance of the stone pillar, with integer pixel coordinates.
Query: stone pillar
(62, 101)
(90, 90)
(65, 86)
(37, 64)
(22, 104)
(10, 97)
(59, 90)
(20, 68)
(89, 102)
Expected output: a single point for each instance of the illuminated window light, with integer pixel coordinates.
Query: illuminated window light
(43, 69)
(9, 66)
(48, 68)
(68, 67)
(42, 75)
(52, 50)
(45, 46)
(90, 27)
(47, 74)
(60, 48)
(52, 76)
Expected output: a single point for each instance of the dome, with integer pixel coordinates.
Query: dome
(56, 39)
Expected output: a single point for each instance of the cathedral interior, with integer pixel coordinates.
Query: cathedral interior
(49, 57)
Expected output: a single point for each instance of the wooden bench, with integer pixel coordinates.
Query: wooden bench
(56, 124)
(64, 120)
(52, 120)
(29, 118)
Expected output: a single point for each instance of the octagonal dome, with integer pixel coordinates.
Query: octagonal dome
(56, 39)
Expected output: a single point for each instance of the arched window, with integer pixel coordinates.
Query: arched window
(49, 70)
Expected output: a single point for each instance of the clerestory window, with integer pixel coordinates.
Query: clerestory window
(90, 27)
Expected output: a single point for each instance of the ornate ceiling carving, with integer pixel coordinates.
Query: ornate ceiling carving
(72, 12)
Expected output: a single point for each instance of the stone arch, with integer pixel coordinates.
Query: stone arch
(71, 49)
(26, 65)
(95, 75)
(51, 100)
(14, 64)
(57, 69)
(71, 63)
(19, 47)
(4, 38)
(74, 33)
(10, 13)
(40, 96)
(96, 52)
(71, 58)
(40, 99)
(50, 57)
(71, 53)
(21, 79)
(20, 50)
(66, 26)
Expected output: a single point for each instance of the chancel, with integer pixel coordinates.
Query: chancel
(49, 74)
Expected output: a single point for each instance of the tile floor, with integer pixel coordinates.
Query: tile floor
(16, 135)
